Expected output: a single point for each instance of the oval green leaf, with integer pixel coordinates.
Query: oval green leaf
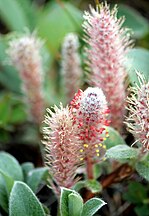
(23, 201)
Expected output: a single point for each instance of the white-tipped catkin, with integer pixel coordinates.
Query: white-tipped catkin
(71, 65)
(24, 53)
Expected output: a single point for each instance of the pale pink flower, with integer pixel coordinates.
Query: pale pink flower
(71, 65)
(138, 106)
(108, 43)
(62, 147)
(90, 112)
(24, 53)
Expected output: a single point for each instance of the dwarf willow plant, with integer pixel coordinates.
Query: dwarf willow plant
(78, 137)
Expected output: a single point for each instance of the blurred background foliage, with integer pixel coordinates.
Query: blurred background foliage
(52, 20)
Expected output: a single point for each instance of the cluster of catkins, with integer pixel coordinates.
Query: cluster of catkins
(74, 135)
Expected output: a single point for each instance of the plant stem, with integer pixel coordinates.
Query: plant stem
(89, 168)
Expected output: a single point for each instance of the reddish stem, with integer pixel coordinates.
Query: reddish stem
(89, 168)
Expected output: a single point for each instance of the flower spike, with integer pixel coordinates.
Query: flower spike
(62, 147)
(24, 54)
(138, 106)
(108, 43)
(71, 65)
(90, 112)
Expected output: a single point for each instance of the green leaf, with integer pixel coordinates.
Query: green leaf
(8, 181)
(92, 206)
(135, 193)
(8, 72)
(137, 59)
(18, 114)
(26, 168)
(134, 20)
(23, 201)
(64, 209)
(75, 204)
(10, 166)
(97, 170)
(64, 201)
(93, 185)
(13, 15)
(142, 168)
(30, 11)
(3, 195)
(35, 177)
(122, 152)
(114, 138)
(53, 29)
(5, 109)
(79, 185)
(142, 210)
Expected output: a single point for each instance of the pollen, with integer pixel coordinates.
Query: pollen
(85, 145)
(100, 144)
(97, 150)
(81, 159)
(81, 150)
(104, 146)
(98, 154)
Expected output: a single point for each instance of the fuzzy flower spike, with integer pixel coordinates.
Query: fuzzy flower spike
(71, 65)
(62, 147)
(108, 43)
(24, 54)
(91, 115)
(138, 106)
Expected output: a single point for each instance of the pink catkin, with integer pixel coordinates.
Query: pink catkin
(24, 54)
(108, 43)
(62, 146)
(90, 112)
(71, 65)
(138, 106)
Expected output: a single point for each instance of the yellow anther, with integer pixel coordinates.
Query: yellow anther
(97, 150)
(98, 154)
(85, 145)
(81, 159)
(104, 138)
(81, 150)
(104, 159)
(104, 146)
(100, 144)
(96, 146)
(107, 135)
